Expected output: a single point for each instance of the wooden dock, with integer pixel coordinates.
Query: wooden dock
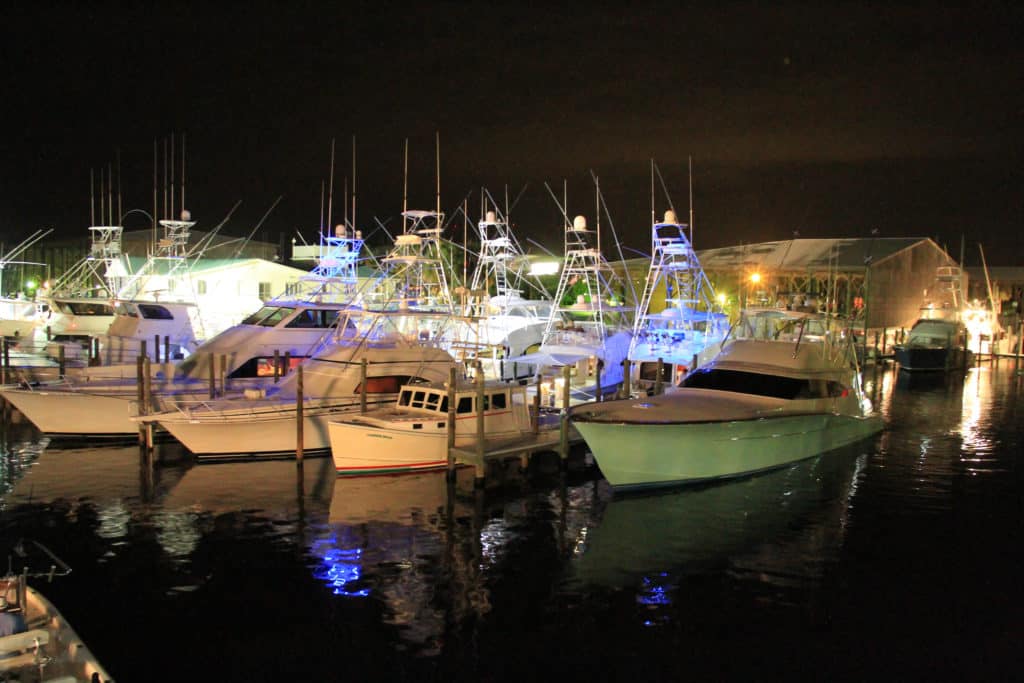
(545, 441)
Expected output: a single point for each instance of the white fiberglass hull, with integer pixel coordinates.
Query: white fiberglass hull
(641, 455)
(73, 413)
(259, 430)
(360, 448)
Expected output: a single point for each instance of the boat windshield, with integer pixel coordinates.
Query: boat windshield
(772, 386)
(84, 308)
(268, 316)
(937, 332)
(315, 318)
(780, 326)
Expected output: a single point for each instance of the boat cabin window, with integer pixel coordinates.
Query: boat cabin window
(649, 372)
(127, 309)
(268, 316)
(465, 405)
(385, 384)
(405, 397)
(154, 312)
(86, 308)
(498, 401)
(417, 399)
(772, 386)
(314, 318)
(255, 318)
(259, 366)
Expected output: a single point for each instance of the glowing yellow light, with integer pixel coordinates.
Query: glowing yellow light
(721, 299)
(755, 277)
(30, 284)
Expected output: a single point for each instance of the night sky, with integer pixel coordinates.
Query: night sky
(907, 120)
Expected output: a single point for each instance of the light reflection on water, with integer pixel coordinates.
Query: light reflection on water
(400, 565)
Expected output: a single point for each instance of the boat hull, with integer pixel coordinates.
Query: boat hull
(260, 432)
(932, 359)
(691, 452)
(75, 414)
(358, 449)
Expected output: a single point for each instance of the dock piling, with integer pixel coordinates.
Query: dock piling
(563, 444)
(363, 366)
(277, 365)
(300, 437)
(212, 375)
(658, 382)
(451, 422)
(481, 405)
(536, 406)
(61, 362)
(627, 379)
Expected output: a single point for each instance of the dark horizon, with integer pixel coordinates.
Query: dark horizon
(826, 122)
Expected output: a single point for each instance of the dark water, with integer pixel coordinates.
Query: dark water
(898, 559)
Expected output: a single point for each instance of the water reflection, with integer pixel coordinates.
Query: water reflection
(391, 540)
(785, 523)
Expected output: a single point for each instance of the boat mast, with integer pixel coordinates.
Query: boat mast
(405, 185)
(173, 192)
(330, 191)
(92, 199)
(353, 182)
(119, 207)
(690, 168)
(156, 155)
(437, 148)
(182, 171)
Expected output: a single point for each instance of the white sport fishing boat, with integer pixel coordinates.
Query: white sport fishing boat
(266, 345)
(686, 332)
(412, 434)
(101, 401)
(785, 387)
(264, 422)
(588, 330)
(38, 642)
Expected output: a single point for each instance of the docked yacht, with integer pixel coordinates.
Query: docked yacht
(588, 330)
(784, 387)
(412, 434)
(938, 340)
(101, 401)
(392, 348)
(17, 318)
(935, 345)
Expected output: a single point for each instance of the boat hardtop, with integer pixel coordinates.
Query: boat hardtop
(416, 401)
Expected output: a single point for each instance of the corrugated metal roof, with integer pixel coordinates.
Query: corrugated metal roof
(803, 254)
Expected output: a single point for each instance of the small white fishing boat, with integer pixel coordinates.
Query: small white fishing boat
(412, 435)
(785, 387)
(38, 643)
